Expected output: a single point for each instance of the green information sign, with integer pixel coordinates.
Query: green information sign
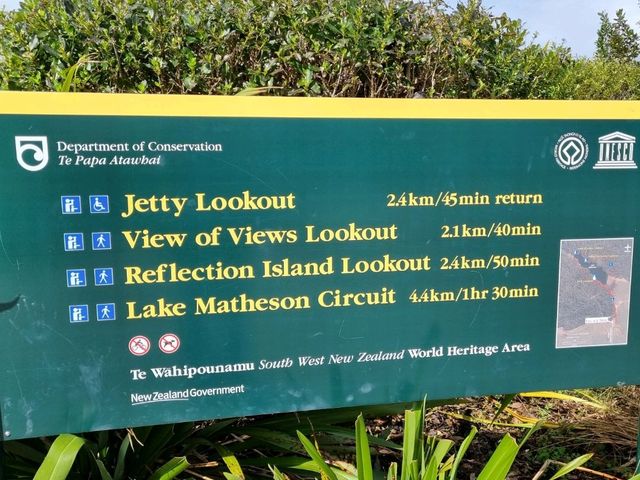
(166, 259)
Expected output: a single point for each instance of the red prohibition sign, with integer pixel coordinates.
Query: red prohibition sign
(169, 343)
(139, 345)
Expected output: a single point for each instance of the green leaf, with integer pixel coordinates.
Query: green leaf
(435, 459)
(316, 457)
(347, 434)
(531, 431)
(122, 453)
(412, 444)
(252, 91)
(68, 79)
(104, 473)
(70, 76)
(295, 463)
(572, 465)
(363, 456)
(506, 400)
(498, 466)
(564, 396)
(217, 427)
(231, 476)
(154, 440)
(22, 450)
(57, 464)
(230, 461)
(461, 451)
(392, 474)
(171, 469)
(277, 474)
(280, 440)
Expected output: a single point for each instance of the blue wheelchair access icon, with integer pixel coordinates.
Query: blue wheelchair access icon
(99, 203)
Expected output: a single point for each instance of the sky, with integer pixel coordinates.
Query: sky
(574, 21)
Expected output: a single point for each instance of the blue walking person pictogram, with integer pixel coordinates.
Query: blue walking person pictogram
(101, 240)
(103, 276)
(106, 312)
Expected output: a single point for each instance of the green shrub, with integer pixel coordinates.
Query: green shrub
(370, 48)
(600, 79)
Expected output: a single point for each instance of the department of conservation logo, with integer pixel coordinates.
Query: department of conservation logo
(571, 151)
(38, 156)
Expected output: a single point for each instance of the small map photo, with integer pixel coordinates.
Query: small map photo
(594, 289)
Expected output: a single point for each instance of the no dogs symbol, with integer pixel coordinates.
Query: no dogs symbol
(169, 343)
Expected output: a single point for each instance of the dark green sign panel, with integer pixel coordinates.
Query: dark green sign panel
(167, 259)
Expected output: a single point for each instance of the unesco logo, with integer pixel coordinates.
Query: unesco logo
(571, 151)
(32, 152)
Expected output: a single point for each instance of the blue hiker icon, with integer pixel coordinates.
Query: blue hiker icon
(101, 240)
(71, 204)
(106, 311)
(99, 203)
(103, 276)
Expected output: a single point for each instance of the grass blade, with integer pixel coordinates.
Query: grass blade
(411, 441)
(277, 474)
(118, 474)
(104, 473)
(435, 459)
(500, 462)
(506, 401)
(564, 396)
(316, 457)
(531, 431)
(171, 469)
(58, 462)
(279, 440)
(230, 461)
(363, 456)
(347, 434)
(392, 474)
(154, 440)
(485, 421)
(461, 452)
(296, 463)
(572, 465)
(22, 450)
(252, 91)
(230, 476)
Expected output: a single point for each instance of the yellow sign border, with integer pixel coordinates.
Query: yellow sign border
(119, 104)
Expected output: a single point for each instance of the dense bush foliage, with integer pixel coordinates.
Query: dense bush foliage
(370, 48)
(602, 80)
